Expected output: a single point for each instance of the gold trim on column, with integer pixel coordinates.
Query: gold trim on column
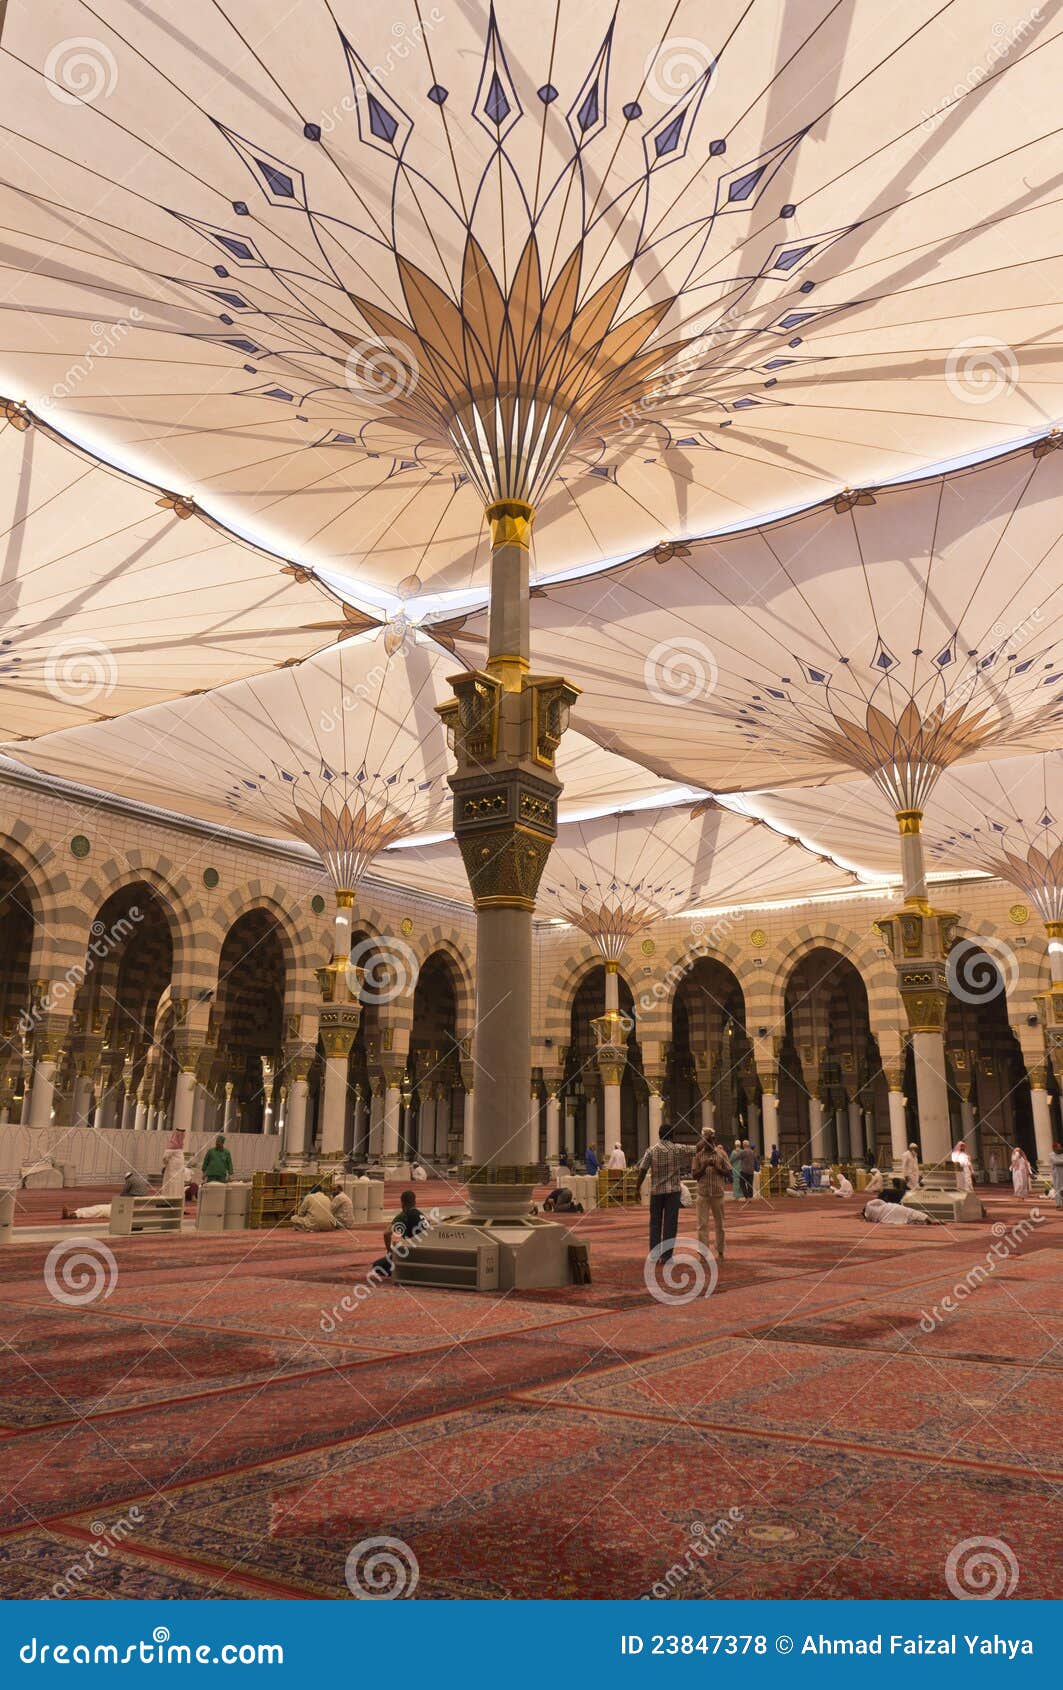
(909, 821)
(344, 898)
(1054, 929)
(510, 522)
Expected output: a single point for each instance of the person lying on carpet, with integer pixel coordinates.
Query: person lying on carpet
(134, 1185)
(314, 1213)
(408, 1223)
(895, 1214)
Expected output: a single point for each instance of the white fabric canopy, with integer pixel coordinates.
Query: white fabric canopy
(350, 736)
(892, 633)
(616, 875)
(341, 271)
(117, 594)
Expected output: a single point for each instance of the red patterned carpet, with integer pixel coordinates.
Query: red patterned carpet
(832, 1421)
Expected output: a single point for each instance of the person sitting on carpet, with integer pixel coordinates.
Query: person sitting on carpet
(408, 1223)
(844, 1186)
(314, 1213)
(894, 1214)
(418, 1171)
(343, 1211)
(134, 1185)
(217, 1163)
(875, 1182)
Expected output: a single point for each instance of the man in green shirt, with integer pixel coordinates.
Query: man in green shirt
(217, 1163)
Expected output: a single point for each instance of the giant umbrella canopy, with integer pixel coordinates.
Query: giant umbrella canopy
(890, 633)
(353, 275)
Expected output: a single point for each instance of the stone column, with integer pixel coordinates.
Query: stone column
(361, 1121)
(755, 1139)
(466, 1119)
(841, 1133)
(295, 1121)
(47, 1045)
(376, 1116)
(655, 1106)
(553, 1120)
(857, 1147)
(391, 1116)
(898, 1114)
(337, 1037)
(920, 938)
(611, 1037)
(505, 726)
(230, 1115)
(444, 1105)
(1042, 1115)
(817, 1131)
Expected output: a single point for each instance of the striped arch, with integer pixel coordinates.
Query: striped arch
(306, 939)
(557, 1019)
(59, 933)
(883, 1001)
(444, 941)
(177, 897)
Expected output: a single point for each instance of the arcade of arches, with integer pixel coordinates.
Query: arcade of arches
(131, 1008)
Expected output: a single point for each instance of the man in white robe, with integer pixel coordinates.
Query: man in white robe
(910, 1167)
(962, 1159)
(617, 1161)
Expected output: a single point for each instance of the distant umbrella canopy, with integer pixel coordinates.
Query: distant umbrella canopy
(347, 273)
(634, 868)
(1006, 818)
(344, 751)
(891, 634)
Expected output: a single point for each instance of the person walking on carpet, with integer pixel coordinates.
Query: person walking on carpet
(711, 1168)
(665, 1162)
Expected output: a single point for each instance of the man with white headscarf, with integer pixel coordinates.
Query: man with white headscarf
(910, 1167)
(617, 1161)
(174, 1166)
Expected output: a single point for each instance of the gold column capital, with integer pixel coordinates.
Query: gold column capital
(510, 521)
(909, 821)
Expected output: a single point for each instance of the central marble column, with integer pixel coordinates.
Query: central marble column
(504, 726)
(920, 938)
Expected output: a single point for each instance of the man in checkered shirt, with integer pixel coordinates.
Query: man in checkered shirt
(666, 1162)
